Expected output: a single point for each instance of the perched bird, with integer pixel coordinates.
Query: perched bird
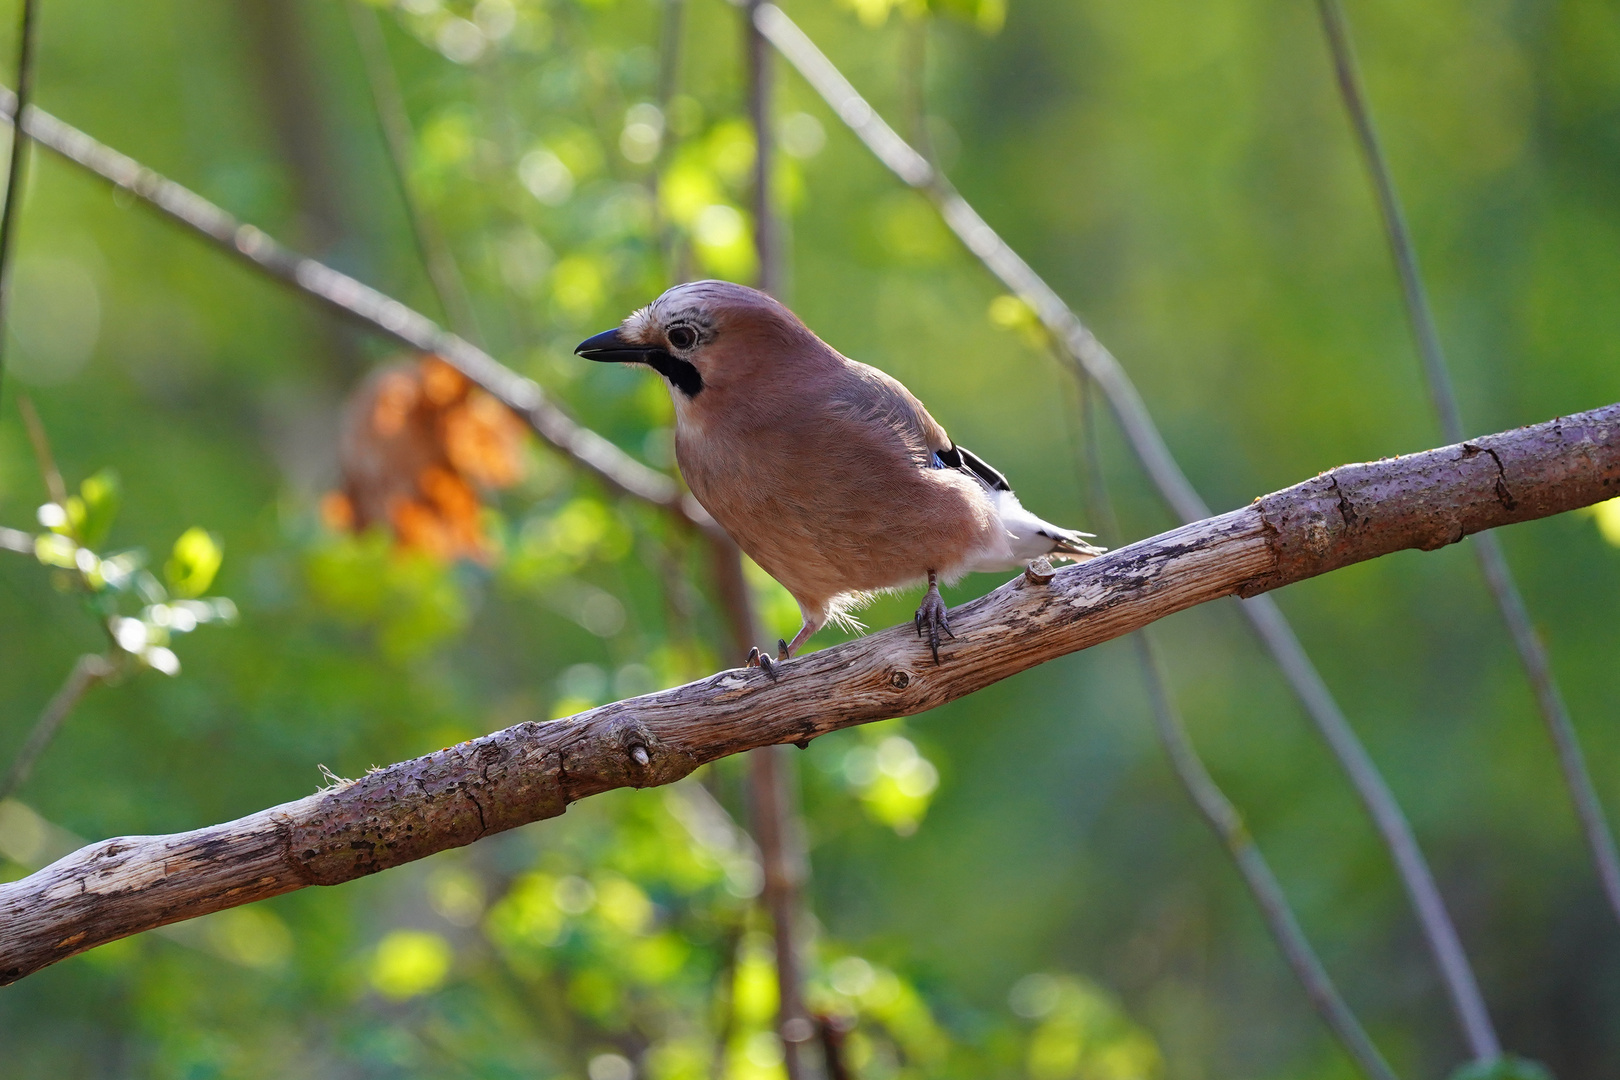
(826, 471)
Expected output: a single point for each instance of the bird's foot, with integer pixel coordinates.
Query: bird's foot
(931, 614)
(762, 660)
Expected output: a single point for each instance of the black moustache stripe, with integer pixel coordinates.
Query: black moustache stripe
(682, 374)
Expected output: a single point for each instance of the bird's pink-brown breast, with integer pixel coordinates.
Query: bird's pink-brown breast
(822, 477)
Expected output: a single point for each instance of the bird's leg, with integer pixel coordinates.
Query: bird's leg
(932, 615)
(788, 648)
(761, 659)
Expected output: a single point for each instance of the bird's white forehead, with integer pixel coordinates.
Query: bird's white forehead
(693, 302)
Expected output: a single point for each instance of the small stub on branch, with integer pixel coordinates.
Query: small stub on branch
(1040, 571)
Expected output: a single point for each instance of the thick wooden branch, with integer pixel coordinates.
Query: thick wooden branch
(534, 770)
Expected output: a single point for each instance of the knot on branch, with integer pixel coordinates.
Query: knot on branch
(622, 750)
(1304, 525)
(1503, 495)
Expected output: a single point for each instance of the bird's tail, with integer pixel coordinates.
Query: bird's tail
(1031, 537)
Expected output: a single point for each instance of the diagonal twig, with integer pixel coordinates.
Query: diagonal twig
(1227, 823)
(54, 487)
(432, 247)
(17, 159)
(1493, 563)
(1212, 803)
(86, 672)
(378, 312)
(1092, 360)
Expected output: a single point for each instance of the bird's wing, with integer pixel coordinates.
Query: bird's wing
(964, 460)
(876, 395)
(872, 396)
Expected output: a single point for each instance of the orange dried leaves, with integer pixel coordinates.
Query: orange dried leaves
(419, 443)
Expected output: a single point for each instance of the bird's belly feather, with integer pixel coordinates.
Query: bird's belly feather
(824, 530)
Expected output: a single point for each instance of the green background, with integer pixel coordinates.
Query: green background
(1183, 174)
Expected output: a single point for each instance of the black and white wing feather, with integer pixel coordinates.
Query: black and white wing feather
(1030, 536)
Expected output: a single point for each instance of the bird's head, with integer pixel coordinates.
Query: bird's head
(708, 337)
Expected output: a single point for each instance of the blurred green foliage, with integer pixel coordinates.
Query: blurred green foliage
(1012, 886)
(107, 586)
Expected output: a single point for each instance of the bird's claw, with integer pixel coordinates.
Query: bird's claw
(763, 661)
(932, 614)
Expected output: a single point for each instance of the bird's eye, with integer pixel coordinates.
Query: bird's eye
(682, 337)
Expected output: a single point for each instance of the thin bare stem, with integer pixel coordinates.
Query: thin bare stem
(776, 828)
(1099, 503)
(17, 160)
(671, 36)
(1213, 804)
(395, 121)
(41, 443)
(773, 779)
(1439, 931)
(725, 998)
(834, 1032)
(775, 821)
(1414, 293)
(1081, 349)
(914, 85)
(1493, 563)
(1227, 823)
(669, 52)
(767, 241)
(86, 672)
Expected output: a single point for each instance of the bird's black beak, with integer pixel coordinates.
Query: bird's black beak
(610, 347)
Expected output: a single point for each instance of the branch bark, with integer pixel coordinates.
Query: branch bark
(531, 771)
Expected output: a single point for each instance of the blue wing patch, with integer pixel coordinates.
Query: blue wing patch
(964, 460)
